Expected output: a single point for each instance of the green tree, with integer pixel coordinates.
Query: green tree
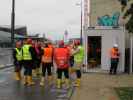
(129, 28)
(123, 4)
(129, 24)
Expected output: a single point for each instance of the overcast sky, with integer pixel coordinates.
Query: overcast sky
(52, 17)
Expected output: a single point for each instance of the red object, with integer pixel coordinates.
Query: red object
(50, 46)
(47, 56)
(77, 42)
(29, 41)
(61, 57)
(33, 44)
(61, 43)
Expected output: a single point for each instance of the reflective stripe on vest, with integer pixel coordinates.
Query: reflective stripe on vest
(19, 54)
(26, 52)
(78, 57)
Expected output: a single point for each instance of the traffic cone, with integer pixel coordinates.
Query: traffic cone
(58, 83)
(30, 81)
(17, 76)
(25, 80)
(42, 81)
(77, 83)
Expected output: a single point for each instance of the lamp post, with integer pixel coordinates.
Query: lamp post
(12, 23)
(81, 22)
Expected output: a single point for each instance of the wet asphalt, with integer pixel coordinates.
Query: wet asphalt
(14, 90)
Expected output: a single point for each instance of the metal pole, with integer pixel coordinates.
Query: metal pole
(81, 23)
(89, 11)
(12, 23)
(131, 54)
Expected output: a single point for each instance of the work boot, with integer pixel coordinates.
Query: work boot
(25, 80)
(37, 71)
(67, 83)
(42, 81)
(30, 81)
(17, 76)
(62, 81)
(58, 83)
(34, 73)
(50, 80)
(77, 83)
(71, 70)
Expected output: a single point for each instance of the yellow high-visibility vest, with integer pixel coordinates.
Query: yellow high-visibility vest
(19, 54)
(26, 52)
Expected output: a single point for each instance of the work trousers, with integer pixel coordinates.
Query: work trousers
(78, 66)
(61, 71)
(78, 73)
(71, 61)
(114, 64)
(18, 66)
(28, 67)
(36, 64)
(46, 67)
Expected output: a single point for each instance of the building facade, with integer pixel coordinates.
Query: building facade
(99, 39)
(5, 34)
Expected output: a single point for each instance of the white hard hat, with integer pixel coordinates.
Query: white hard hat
(116, 45)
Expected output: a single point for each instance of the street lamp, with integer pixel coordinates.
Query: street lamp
(81, 22)
(12, 23)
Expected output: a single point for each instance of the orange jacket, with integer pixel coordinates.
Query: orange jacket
(47, 55)
(61, 57)
(114, 53)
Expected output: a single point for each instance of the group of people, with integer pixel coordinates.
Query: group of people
(37, 58)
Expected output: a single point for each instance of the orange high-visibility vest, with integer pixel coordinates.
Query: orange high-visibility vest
(61, 56)
(50, 46)
(114, 53)
(47, 55)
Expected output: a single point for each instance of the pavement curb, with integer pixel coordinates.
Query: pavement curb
(5, 66)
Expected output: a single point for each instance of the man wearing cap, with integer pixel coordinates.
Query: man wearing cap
(114, 54)
(28, 54)
(78, 61)
(17, 56)
(61, 58)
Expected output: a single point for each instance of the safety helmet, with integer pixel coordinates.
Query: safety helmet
(29, 41)
(115, 45)
(77, 42)
(61, 43)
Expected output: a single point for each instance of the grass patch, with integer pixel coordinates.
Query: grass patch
(125, 93)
